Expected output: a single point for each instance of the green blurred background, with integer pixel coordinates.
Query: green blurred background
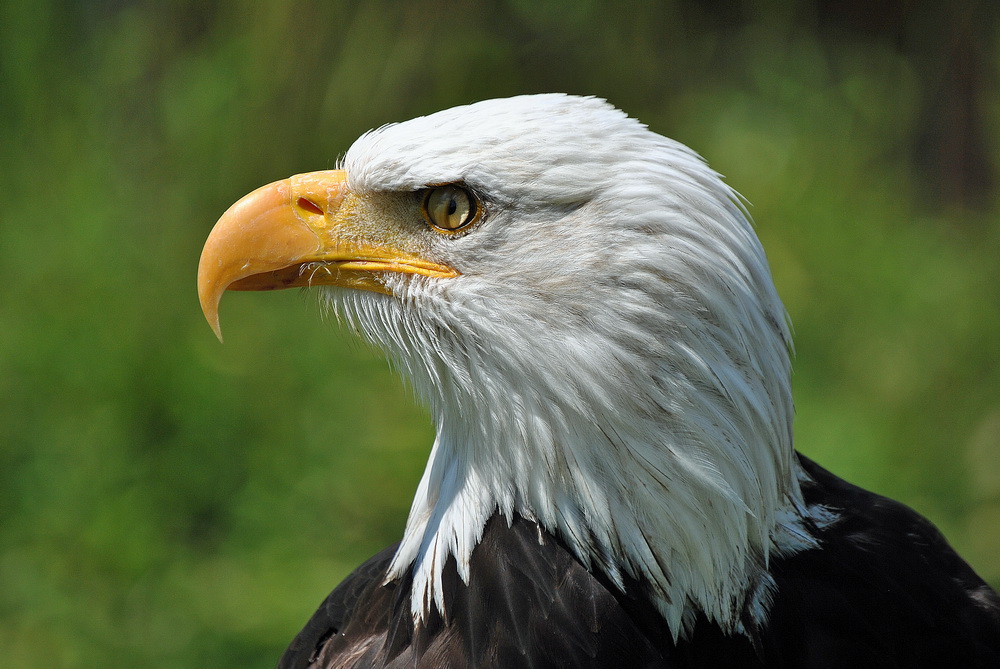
(167, 501)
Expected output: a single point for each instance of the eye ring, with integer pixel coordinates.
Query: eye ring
(450, 208)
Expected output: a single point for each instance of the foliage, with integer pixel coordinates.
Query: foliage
(169, 502)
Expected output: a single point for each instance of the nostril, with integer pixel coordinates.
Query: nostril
(309, 205)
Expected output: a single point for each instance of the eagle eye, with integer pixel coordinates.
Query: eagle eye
(450, 208)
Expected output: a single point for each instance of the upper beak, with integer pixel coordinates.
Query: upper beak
(300, 231)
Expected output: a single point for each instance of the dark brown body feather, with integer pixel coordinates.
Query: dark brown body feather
(883, 590)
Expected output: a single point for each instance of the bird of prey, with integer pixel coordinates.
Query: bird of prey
(586, 310)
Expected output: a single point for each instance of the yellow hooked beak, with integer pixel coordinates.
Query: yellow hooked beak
(301, 231)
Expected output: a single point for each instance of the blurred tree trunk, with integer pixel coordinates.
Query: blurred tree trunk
(951, 47)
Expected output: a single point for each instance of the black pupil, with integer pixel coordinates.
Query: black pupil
(452, 206)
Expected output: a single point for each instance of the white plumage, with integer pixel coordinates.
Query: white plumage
(613, 361)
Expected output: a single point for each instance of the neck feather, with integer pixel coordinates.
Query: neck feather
(678, 476)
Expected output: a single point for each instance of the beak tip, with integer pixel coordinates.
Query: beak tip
(212, 316)
(210, 299)
(217, 329)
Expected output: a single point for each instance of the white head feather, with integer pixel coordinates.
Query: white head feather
(613, 361)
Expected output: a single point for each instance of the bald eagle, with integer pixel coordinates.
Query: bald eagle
(585, 308)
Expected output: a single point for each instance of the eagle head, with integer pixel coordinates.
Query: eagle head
(585, 308)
